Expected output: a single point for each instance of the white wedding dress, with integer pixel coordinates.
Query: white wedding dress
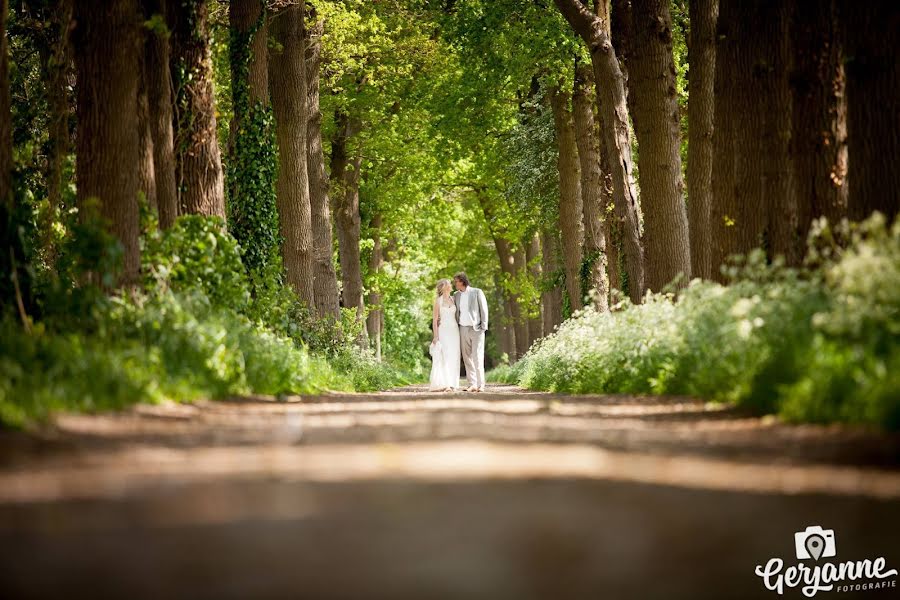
(445, 356)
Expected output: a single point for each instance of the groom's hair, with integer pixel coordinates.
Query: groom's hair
(461, 277)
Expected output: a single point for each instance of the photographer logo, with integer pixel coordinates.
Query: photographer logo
(816, 544)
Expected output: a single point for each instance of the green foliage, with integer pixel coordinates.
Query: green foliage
(820, 345)
(196, 254)
(147, 349)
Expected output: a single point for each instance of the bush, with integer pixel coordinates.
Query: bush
(818, 344)
(149, 349)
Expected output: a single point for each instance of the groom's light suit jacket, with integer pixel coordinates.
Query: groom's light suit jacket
(476, 305)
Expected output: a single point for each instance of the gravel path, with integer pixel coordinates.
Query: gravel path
(410, 494)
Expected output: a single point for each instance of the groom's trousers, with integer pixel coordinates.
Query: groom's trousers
(472, 347)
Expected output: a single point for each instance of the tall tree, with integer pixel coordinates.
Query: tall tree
(158, 81)
(873, 122)
(570, 207)
(58, 66)
(778, 195)
(327, 299)
(819, 128)
(593, 188)
(290, 103)
(197, 158)
(6, 160)
(375, 318)
(253, 165)
(746, 60)
(512, 261)
(346, 160)
(653, 101)
(533, 258)
(610, 84)
(702, 60)
(551, 295)
(106, 39)
(145, 166)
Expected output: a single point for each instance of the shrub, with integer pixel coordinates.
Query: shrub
(818, 344)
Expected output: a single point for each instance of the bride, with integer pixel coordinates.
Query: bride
(445, 343)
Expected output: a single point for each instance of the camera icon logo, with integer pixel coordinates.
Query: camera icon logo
(814, 543)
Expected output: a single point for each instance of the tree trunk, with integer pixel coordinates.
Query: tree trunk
(819, 134)
(325, 289)
(107, 63)
(520, 270)
(145, 167)
(345, 183)
(613, 243)
(58, 66)
(570, 208)
(551, 297)
(289, 101)
(253, 218)
(160, 99)
(778, 193)
(593, 198)
(512, 260)
(6, 160)
(375, 319)
(610, 83)
(701, 112)
(738, 216)
(873, 121)
(653, 101)
(533, 258)
(506, 335)
(198, 163)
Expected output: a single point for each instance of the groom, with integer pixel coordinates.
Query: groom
(472, 315)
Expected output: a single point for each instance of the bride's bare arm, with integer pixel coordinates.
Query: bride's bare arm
(435, 320)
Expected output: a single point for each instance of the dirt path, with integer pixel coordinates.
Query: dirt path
(407, 494)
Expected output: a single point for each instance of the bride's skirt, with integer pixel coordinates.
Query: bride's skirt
(445, 360)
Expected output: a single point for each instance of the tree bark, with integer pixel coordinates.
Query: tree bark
(570, 207)
(107, 63)
(701, 112)
(160, 99)
(593, 197)
(610, 83)
(533, 259)
(375, 318)
(58, 67)
(653, 101)
(778, 193)
(145, 166)
(819, 128)
(551, 297)
(873, 121)
(325, 289)
(198, 163)
(345, 183)
(6, 161)
(289, 101)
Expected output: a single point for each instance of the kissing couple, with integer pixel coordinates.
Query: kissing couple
(458, 322)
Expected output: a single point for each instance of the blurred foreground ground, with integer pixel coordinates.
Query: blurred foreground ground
(409, 494)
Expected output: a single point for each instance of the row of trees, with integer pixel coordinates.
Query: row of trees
(789, 118)
(543, 147)
(145, 126)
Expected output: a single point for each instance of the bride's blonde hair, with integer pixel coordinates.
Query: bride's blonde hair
(440, 285)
